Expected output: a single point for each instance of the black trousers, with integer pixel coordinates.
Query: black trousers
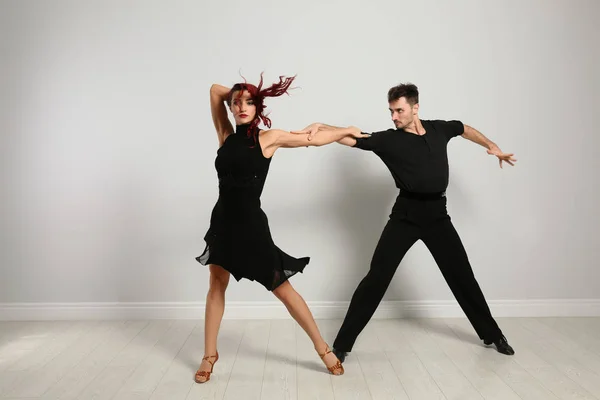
(413, 219)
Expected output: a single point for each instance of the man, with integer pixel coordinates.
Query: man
(415, 153)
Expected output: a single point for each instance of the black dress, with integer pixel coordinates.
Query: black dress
(239, 238)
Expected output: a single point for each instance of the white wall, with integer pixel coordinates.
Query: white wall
(108, 147)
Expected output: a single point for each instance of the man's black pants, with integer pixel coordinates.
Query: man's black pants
(418, 217)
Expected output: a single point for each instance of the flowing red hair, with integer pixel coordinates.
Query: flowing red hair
(258, 95)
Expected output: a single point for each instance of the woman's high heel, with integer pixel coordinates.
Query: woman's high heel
(337, 368)
(206, 374)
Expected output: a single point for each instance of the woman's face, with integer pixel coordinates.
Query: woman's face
(242, 107)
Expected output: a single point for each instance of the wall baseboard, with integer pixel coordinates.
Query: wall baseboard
(275, 310)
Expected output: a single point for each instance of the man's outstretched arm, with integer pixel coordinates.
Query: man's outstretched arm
(312, 130)
(475, 136)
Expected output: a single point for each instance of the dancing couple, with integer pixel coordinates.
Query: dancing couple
(239, 242)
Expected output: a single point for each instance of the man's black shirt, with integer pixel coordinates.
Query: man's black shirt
(418, 163)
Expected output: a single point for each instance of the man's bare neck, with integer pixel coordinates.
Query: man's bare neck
(416, 127)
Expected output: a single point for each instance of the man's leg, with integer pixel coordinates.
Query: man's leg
(447, 249)
(397, 237)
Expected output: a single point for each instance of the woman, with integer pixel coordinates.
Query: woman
(239, 241)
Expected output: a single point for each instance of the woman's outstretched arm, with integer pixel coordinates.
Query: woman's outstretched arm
(274, 139)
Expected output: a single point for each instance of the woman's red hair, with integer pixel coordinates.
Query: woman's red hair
(258, 95)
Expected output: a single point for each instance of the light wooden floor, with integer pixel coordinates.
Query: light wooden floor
(556, 358)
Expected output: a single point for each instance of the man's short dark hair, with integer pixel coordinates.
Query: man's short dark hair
(406, 90)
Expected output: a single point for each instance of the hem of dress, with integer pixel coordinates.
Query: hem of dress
(206, 260)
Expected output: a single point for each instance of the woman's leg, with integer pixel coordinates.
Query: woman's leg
(215, 306)
(301, 313)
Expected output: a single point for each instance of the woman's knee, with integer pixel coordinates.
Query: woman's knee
(219, 278)
(284, 291)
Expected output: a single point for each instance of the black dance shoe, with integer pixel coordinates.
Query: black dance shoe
(341, 355)
(501, 345)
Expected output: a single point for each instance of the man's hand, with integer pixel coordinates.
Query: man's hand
(507, 158)
(357, 133)
(311, 130)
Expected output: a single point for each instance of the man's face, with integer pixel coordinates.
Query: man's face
(402, 112)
